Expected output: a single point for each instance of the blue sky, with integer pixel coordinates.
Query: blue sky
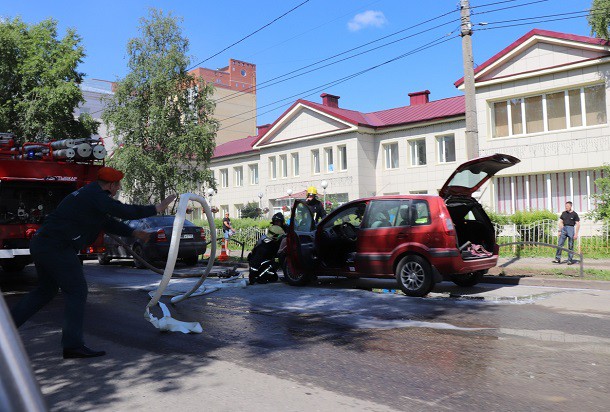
(316, 30)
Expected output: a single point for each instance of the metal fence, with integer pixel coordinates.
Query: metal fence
(593, 238)
(249, 236)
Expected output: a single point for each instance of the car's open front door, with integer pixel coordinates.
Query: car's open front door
(300, 240)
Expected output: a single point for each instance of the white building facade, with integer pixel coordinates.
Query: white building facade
(542, 99)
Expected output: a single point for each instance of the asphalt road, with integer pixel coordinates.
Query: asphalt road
(333, 346)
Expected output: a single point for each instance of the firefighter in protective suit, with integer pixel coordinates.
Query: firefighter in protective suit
(312, 202)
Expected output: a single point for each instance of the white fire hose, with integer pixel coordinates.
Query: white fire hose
(167, 323)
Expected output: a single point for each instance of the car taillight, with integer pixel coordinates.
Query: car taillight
(202, 234)
(448, 224)
(161, 235)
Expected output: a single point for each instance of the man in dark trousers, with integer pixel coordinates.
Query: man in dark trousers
(569, 223)
(76, 223)
(312, 202)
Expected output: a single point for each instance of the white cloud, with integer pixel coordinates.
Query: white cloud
(369, 18)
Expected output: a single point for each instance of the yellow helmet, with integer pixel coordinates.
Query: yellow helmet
(311, 190)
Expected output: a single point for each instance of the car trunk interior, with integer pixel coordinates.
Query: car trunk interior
(471, 225)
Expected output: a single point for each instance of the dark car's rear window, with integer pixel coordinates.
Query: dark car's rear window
(165, 221)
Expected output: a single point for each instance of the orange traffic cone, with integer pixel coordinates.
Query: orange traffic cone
(223, 253)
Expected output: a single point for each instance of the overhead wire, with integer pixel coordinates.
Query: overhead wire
(251, 34)
(284, 77)
(318, 88)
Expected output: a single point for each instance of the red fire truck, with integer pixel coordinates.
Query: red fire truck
(34, 178)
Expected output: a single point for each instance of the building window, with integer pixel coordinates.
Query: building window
(224, 209)
(418, 192)
(595, 104)
(418, 152)
(253, 174)
(224, 177)
(446, 149)
(584, 106)
(315, 161)
(272, 168)
(534, 116)
(238, 210)
(391, 155)
(295, 164)
(283, 166)
(330, 161)
(342, 153)
(239, 176)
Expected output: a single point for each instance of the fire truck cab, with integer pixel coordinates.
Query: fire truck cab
(34, 178)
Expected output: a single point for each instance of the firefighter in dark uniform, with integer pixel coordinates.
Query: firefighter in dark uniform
(76, 223)
(312, 202)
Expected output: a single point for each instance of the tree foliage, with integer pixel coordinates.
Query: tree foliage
(160, 115)
(39, 82)
(251, 210)
(602, 197)
(599, 18)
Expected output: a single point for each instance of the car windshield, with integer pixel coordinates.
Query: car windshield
(157, 221)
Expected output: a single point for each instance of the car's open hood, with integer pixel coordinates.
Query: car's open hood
(470, 176)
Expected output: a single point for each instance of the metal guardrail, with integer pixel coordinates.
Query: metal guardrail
(580, 255)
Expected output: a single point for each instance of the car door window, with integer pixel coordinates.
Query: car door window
(404, 214)
(303, 221)
(352, 215)
(420, 213)
(382, 213)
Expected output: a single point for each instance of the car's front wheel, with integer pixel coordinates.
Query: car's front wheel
(292, 277)
(468, 279)
(414, 276)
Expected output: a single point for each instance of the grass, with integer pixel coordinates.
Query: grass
(572, 273)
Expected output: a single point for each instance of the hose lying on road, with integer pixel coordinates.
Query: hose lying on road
(167, 323)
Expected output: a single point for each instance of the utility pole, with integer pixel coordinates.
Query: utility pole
(472, 132)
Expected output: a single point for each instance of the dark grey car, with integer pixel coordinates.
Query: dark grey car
(192, 242)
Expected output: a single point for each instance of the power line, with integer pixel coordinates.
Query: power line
(532, 22)
(333, 56)
(493, 4)
(228, 97)
(507, 8)
(250, 35)
(318, 88)
(285, 77)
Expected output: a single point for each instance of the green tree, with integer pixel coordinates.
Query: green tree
(39, 82)
(251, 210)
(602, 197)
(160, 115)
(599, 18)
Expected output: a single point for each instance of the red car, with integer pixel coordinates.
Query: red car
(419, 239)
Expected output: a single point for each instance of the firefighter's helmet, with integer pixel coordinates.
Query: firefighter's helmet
(311, 190)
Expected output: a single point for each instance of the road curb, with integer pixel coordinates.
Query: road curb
(540, 281)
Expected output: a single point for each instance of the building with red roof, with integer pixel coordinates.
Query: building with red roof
(542, 99)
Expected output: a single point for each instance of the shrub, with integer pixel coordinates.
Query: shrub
(497, 218)
(237, 223)
(526, 218)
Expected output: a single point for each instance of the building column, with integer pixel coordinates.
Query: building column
(549, 199)
(512, 195)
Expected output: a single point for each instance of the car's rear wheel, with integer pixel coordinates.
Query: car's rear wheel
(13, 265)
(292, 277)
(137, 249)
(191, 260)
(414, 276)
(468, 279)
(103, 259)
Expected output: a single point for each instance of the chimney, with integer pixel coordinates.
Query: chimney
(330, 100)
(419, 97)
(261, 130)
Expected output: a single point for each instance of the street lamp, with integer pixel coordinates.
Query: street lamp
(260, 200)
(324, 185)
